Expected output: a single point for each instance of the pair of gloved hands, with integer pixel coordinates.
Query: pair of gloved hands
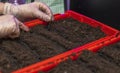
(10, 22)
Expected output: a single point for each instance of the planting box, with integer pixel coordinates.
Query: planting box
(111, 36)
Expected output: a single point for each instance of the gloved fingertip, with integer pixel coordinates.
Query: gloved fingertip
(43, 16)
(24, 27)
(47, 19)
(52, 19)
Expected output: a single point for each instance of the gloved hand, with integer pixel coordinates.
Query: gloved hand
(10, 26)
(31, 10)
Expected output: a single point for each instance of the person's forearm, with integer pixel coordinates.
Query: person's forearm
(1, 7)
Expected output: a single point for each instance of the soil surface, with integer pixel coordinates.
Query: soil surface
(43, 42)
(107, 60)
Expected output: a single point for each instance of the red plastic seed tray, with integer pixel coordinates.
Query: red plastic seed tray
(113, 36)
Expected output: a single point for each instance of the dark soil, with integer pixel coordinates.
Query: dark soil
(76, 32)
(107, 60)
(111, 53)
(43, 42)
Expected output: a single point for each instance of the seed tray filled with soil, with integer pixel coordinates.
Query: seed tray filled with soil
(105, 61)
(43, 42)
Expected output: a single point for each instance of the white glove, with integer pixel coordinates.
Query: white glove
(31, 10)
(10, 26)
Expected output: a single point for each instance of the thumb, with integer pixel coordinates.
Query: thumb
(41, 15)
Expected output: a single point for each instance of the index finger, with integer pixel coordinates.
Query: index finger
(21, 25)
(46, 9)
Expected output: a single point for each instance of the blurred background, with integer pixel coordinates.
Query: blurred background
(105, 11)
